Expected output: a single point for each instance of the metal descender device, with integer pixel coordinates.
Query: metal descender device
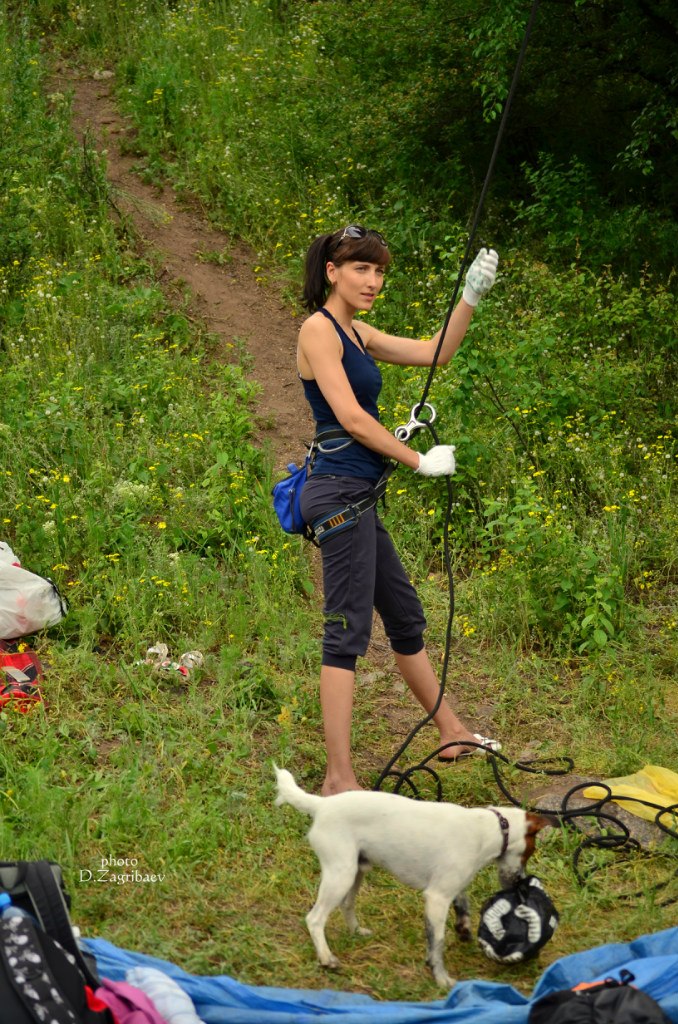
(406, 430)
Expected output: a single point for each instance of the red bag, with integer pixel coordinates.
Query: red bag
(20, 676)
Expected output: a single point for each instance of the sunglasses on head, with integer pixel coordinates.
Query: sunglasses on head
(358, 231)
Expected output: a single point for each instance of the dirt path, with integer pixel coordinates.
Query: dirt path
(227, 299)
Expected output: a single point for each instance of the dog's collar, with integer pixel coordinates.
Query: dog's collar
(504, 826)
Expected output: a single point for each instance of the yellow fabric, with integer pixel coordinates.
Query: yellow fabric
(653, 783)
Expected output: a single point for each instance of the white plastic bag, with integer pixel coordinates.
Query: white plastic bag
(169, 999)
(28, 602)
(7, 555)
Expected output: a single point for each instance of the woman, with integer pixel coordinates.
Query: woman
(361, 570)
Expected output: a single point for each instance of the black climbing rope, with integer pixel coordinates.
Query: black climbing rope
(389, 771)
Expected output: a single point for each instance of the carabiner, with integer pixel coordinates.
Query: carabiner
(405, 431)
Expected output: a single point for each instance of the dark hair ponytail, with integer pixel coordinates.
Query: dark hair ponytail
(315, 282)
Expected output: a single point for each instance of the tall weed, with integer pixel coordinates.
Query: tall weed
(132, 457)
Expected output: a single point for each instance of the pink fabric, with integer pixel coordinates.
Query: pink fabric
(130, 1005)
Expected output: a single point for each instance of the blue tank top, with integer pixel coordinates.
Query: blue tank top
(365, 379)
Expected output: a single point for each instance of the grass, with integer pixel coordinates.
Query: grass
(132, 478)
(127, 764)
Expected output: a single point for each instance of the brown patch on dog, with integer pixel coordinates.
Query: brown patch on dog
(534, 824)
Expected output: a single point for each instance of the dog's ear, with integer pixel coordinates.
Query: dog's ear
(536, 822)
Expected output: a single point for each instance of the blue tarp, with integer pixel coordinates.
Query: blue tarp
(653, 959)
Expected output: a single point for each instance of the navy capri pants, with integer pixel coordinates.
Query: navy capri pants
(361, 572)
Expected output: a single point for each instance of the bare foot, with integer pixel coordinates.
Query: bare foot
(461, 739)
(459, 752)
(331, 787)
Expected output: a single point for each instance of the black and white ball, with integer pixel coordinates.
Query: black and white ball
(515, 923)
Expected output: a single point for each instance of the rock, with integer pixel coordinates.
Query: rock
(550, 797)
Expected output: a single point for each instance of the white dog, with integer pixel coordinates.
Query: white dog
(435, 847)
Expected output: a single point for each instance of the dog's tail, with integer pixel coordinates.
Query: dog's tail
(290, 793)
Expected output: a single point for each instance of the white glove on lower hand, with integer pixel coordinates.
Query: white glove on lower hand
(481, 276)
(437, 461)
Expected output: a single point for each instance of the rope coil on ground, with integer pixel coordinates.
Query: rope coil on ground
(613, 834)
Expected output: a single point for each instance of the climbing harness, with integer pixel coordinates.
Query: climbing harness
(347, 516)
(287, 492)
(319, 442)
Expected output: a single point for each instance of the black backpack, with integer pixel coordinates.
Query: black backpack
(43, 971)
(606, 1002)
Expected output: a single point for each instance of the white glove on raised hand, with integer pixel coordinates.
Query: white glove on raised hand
(437, 461)
(481, 276)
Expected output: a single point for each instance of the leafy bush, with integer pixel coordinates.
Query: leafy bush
(561, 404)
(567, 216)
